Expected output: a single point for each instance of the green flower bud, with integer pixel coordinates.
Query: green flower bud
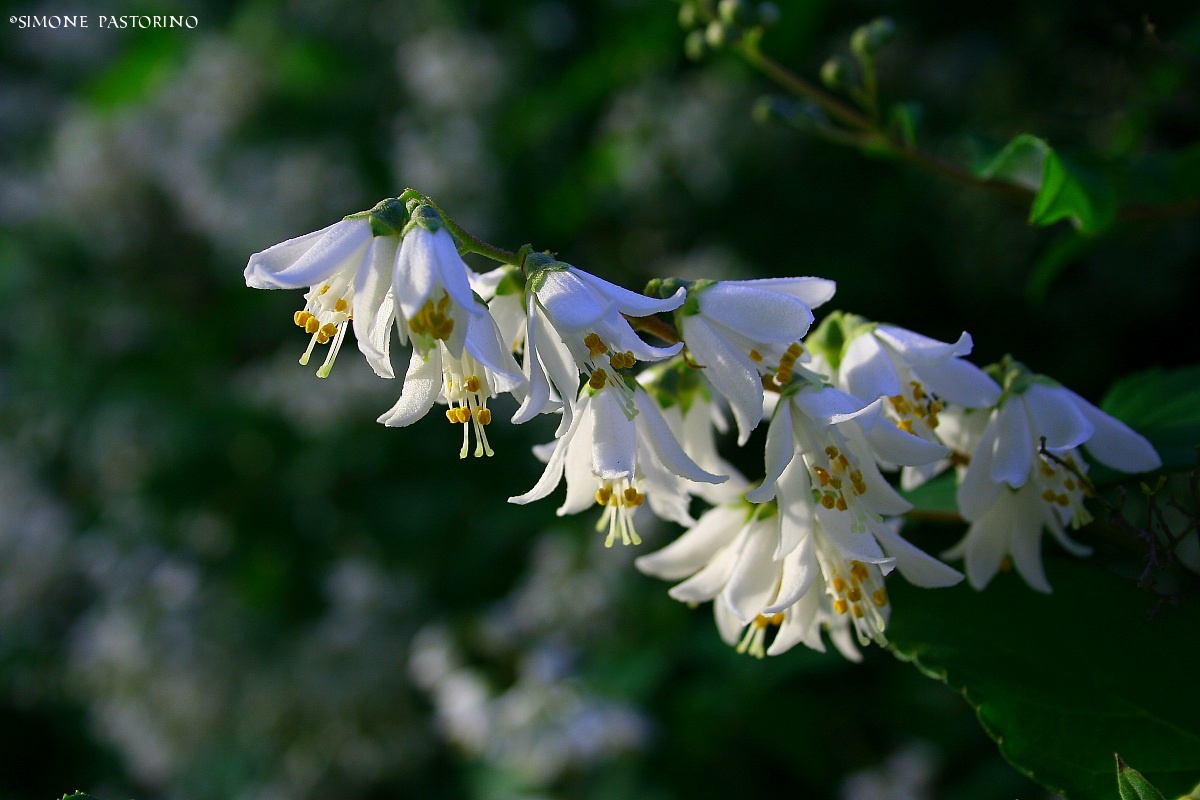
(871, 38)
(388, 217)
(427, 217)
(694, 46)
(837, 73)
(729, 11)
(714, 34)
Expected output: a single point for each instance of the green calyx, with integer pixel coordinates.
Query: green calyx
(427, 217)
(667, 287)
(538, 266)
(835, 333)
(388, 217)
(1015, 378)
(675, 382)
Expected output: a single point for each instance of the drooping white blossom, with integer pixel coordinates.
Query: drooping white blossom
(575, 326)
(346, 268)
(740, 331)
(920, 378)
(1026, 475)
(618, 460)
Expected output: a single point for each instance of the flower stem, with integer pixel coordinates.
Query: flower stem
(471, 243)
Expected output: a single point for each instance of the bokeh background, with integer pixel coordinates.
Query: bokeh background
(220, 578)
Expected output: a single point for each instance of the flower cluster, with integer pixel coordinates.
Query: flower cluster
(804, 551)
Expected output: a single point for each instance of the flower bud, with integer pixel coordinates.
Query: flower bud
(837, 73)
(729, 10)
(871, 38)
(714, 34)
(694, 46)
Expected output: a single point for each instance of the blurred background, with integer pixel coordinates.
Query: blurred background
(220, 578)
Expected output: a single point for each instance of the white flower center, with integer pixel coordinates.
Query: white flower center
(619, 501)
(327, 309)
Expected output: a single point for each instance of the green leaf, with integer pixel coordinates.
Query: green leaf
(1163, 406)
(936, 496)
(1132, 785)
(1063, 681)
(77, 796)
(1063, 190)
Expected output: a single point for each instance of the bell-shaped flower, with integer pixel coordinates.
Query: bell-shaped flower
(483, 369)
(433, 296)
(575, 325)
(1025, 475)
(741, 331)
(919, 377)
(619, 460)
(346, 268)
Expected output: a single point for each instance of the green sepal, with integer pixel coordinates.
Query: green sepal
(1132, 785)
(427, 217)
(675, 382)
(388, 217)
(538, 266)
(834, 333)
(764, 510)
(691, 305)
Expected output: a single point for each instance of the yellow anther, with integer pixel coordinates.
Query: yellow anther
(840, 606)
(484, 415)
(324, 289)
(936, 407)
(859, 487)
(839, 585)
(452, 414)
(856, 476)
(858, 612)
(1048, 495)
(905, 425)
(920, 412)
(312, 324)
(755, 356)
(1069, 484)
(859, 570)
(301, 318)
(322, 337)
(827, 500)
(341, 305)
(854, 595)
(932, 422)
(836, 483)
(604, 494)
(472, 384)
(822, 475)
(843, 462)
(795, 350)
(598, 379)
(832, 452)
(329, 329)
(879, 596)
(918, 392)
(633, 497)
(1063, 500)
(840, 504)
(595, 346)
(1047, 470)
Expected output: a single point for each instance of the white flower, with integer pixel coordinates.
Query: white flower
(347, 270)
(433, 295)
(574, 325)
(1014, 488)
(484, 369)
(919, 377)
(618, 460)
(741, 330)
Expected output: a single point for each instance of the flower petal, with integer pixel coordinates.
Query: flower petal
(755, 578)
(919, 349)
(800, 569)
(631, 303)
(422, 385)
(306, 260)
(1055, 416)
(730, 372)
(810, 291)
(1014, 449)
(779, 451)
(614, 438)
(371, 286)
(959, 382)
(696, 547)
(918, 567)
(1114, 443)
(655, 431)
(759, 314)
(867, 370)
